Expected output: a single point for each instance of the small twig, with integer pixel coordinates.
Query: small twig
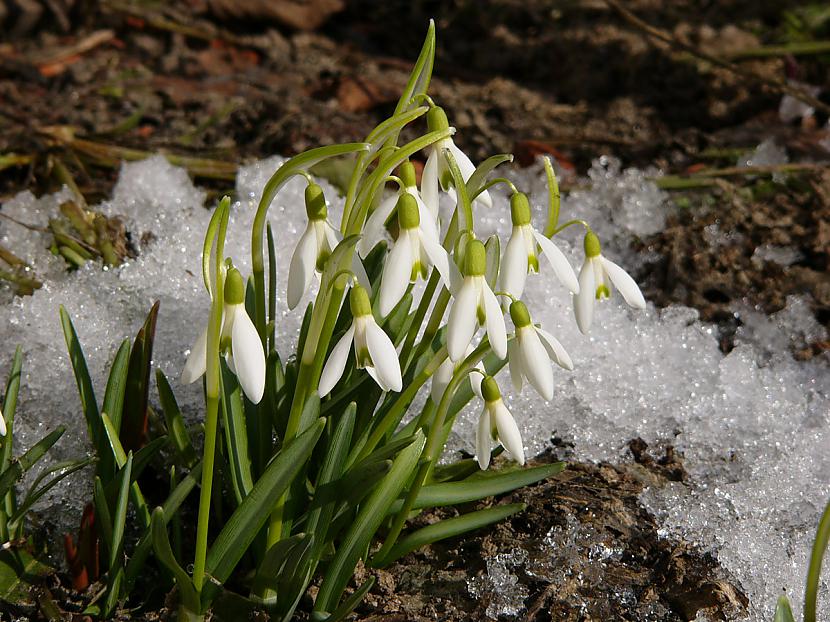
(776, 84)
(709, 177)
(796, 48)
(23, 224)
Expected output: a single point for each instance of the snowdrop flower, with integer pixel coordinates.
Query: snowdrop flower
(520, 254)
(238, 340)
(496, 423)
(436, 170)
(443, 375)
(475, 304)
(412, 254)
(531, 351)
(372, 347)
(314, 247)
(373, 230)
(595, 280)
(2, 424)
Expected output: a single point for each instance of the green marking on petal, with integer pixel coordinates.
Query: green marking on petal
(603, 292)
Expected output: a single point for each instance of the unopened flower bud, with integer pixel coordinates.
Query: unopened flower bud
(315, 202)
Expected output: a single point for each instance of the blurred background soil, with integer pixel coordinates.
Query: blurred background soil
(685, 86)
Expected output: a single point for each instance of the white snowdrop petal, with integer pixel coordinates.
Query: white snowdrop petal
(429, 183)
(496, 330)
(536, 363)
(475, 381)
(462, 322)
(302, 266)
(439, 258)
(561, 268)
(248, 356)
(514, 265)
(622, 281)
(467, 168)
(509, 433)
(360, 273)
(514, 358)
(429, 224)
(395, 277)
(440, 380)
(584, 300)
(384, 357)
(333, 369)
(196, 364)
(556, 351)
(374, 229)
(2, 424)
(373, 374)
(483, 443)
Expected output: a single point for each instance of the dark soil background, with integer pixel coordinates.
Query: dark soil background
(85, 84)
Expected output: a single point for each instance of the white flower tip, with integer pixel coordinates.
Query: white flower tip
(2, 424)
(248, 356)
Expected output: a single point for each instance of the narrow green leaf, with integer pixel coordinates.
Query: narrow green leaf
(116, 384)
(36, 491)
(273, 563)
(456, 471)
(319, 514)
(19, 571)
(176, 428)
(103, 519)
(119, 517)
(418, 81)
(272, 279)
(7, 500)
(449, 528)
(243, 525)
(169, 509)
(371, 514)
(310, 412)
(783, 611)
(493, 252)
(475, 488)
(814, 571)
(85, 390)
(236, 435)
(164, 553)
(120, 460)
(478, 179)
(349, 605)
(17, 467)
(132, 431)
(353, 485)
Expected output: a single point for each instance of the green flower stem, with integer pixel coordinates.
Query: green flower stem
(212, 390)
(399, 406)
(554, 201)
(418, 318)
(464, 202)
(433, 448)
(495, 182)
(272, 187)
(570, 223)
(814, 572)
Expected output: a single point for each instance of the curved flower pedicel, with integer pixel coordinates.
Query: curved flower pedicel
(374, 229)
(372, 347)
(531, 351)
(496, 423)
(239, 340)
(520, 255)
(411, 256)
(475, 304)
(595, 279)
(443, 375)
(314, 247)
(436, 171)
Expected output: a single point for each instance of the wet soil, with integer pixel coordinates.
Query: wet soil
(83, 87)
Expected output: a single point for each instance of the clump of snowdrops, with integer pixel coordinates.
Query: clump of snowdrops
(316, 459)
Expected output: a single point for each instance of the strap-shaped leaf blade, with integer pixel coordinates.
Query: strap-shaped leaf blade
(132, 429)
(783, 611)
(164, 553)
(236, 435)
(477, 487)
(176, 428)
(120, 460)
(243, 525)
(371, 514)
(7, 500)
(117, 384)
(450, 528)
(18, 467)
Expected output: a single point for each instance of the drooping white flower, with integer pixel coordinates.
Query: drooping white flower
(520, 256)
(531, 351)
(238, 340)
(443, 375)
(475, 304)
(596, 277)
(2, 423)
(436, 171)
(496, 423)
(411, 256)
(373, 349)
(314, 247)
(373, 230)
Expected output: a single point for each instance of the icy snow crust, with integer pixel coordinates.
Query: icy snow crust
(752, 425)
